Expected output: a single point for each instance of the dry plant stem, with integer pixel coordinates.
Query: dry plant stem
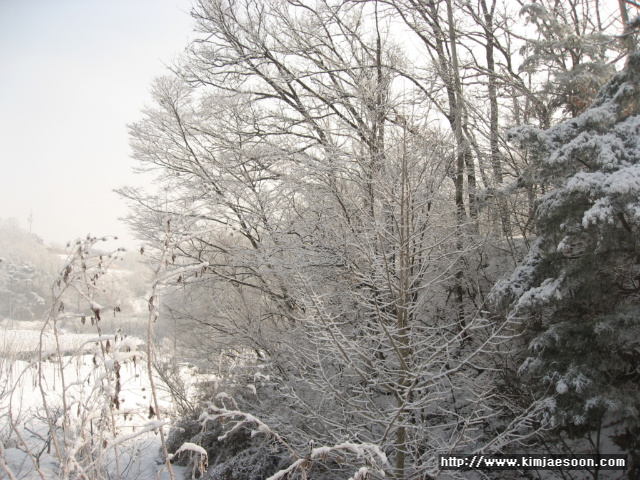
(152, 384)
(84, 287)
(65, 412)
(67, 464)
(25, 444)
(155, 397)
(88, 296)
(81, 453)
(46, 405)
(13, 422)
(3, 463)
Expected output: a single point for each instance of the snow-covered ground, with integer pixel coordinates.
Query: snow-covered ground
(99, 373)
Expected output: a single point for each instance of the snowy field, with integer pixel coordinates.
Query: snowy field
(104, 379)
(23, 340)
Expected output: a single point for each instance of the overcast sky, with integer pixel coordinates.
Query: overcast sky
(73, 74)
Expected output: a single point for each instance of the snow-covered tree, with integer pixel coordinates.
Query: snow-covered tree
(573, 54)
(334, 227)
(578, 290)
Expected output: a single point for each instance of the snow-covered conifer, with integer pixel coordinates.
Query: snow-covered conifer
(578, 289)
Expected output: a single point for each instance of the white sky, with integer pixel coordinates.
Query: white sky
(73, 74)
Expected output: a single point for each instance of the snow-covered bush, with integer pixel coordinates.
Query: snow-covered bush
(239, 446)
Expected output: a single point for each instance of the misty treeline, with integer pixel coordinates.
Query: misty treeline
(26, 271)
(344, 205)
(28, 267)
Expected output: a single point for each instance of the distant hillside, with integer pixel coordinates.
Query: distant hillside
(28, 268)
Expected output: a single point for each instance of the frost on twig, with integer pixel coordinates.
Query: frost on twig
(200, 453)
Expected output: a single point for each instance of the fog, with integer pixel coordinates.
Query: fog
(74, 74)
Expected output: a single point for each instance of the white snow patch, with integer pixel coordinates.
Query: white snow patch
(562, 387)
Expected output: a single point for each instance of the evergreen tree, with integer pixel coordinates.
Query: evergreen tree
(578, 289)
(571, 55)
